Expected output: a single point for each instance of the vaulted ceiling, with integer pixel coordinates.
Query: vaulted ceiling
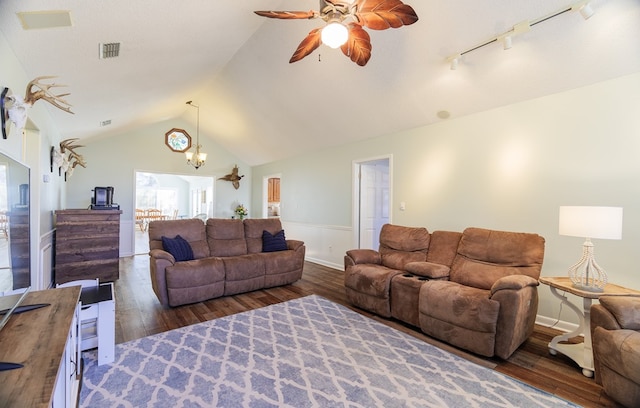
(234, 65)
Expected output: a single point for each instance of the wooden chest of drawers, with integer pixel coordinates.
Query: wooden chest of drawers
(87, 245)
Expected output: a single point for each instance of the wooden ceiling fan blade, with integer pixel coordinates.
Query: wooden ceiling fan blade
(307, 46)
(384, 14)
(358, 46)
(288, 15)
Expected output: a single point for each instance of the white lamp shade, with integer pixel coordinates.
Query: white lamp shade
(591, 222)
(189, 155)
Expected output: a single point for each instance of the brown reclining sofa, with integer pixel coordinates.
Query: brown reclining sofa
(228, 258)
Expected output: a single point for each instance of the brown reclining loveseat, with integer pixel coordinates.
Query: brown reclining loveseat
(476, 290)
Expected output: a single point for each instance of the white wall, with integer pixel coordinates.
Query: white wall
(509, 168)
(113, 161)
(32, 149)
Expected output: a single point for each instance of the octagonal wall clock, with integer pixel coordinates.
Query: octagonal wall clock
(177, 140)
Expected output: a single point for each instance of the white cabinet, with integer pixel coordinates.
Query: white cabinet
(69, 374)
(45, 342)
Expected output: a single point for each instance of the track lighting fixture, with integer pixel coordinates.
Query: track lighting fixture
(506, 38)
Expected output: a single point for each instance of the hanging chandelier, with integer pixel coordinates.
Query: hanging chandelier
(196, 160)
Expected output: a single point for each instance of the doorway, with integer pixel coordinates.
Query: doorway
(271, 196)
(372, 196)
(169, 196)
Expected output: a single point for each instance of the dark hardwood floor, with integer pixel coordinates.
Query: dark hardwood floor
(139, 314)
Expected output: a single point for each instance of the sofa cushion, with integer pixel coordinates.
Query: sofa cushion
(460, 315)
(443, 246)
(192, 230)
(195, 281)
(484, 256)
(428, 269)
(406, 239)
(178, 247)
(254, 228)
(400, 245)
(372, 280)
(226, 237)
(273, 242)
(195, 273)
(244, 273)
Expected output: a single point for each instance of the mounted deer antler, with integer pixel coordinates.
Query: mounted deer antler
(18, 112)
(68, 164)
(74, 157)
(32, 97)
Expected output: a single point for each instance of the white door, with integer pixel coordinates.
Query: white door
(373, 202)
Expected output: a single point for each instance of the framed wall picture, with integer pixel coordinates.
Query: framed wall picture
(177, 140)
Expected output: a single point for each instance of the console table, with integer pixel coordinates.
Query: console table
(44, 342)
(581, 353)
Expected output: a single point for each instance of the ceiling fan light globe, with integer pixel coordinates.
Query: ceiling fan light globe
(334, 34)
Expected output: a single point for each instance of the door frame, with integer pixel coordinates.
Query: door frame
(265, 193)
(356, 197)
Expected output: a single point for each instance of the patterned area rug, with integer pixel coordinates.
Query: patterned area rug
(307, 352)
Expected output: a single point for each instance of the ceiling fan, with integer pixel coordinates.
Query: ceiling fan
(351, 37)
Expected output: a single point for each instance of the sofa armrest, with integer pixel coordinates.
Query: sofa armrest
(518, 298)
(161, 254)
(625, 309)
(513, 282)
(364, 256)
(294, 244)
(429, 269)
(159, 260)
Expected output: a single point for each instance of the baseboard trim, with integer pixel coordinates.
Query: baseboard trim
(556, 324)
(325, 263)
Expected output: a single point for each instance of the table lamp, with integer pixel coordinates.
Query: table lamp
(590, 222)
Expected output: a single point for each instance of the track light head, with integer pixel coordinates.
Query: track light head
(506, 42)
(586, 11)
(454, 61)
(584, 8)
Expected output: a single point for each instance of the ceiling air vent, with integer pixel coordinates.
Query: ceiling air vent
(105, 122)
(109, 50)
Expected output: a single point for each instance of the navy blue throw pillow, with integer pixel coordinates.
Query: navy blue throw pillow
(178, 247)
(273, 243)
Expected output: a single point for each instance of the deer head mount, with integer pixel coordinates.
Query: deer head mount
(67, 158)
(35, 91)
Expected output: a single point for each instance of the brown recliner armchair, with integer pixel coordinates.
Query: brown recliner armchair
(489, 304)
(615, 333)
